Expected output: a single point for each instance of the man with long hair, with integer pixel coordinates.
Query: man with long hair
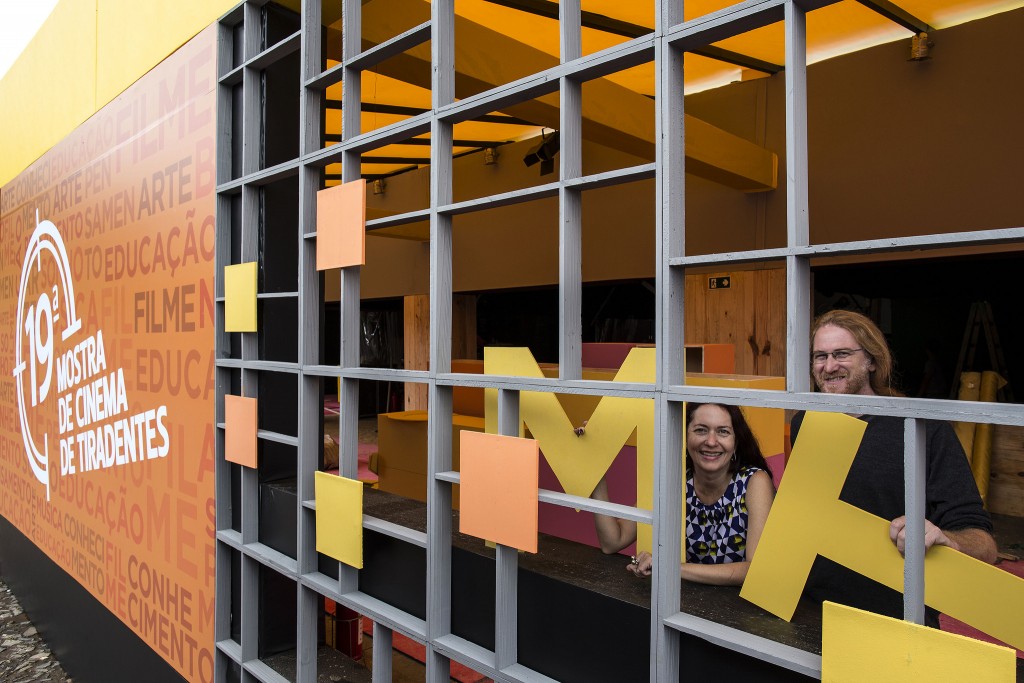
(849, 355)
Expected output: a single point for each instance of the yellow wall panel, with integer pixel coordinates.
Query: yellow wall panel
(49, 91)
(133, 36)
(86, 53)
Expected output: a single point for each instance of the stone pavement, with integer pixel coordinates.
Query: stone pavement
(24, 656)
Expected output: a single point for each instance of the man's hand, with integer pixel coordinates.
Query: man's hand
(933, 535)
(977, 543)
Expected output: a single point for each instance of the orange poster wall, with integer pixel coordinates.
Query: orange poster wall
(107, 438)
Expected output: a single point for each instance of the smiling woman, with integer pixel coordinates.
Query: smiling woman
(728, 495)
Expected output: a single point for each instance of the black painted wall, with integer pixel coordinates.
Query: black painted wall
(90, 642)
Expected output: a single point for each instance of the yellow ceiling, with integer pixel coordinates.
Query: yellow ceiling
(840, 28)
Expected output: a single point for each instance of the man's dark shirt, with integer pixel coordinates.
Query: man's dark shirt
(875, 484)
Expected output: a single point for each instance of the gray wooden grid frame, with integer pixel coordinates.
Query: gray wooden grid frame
(666, 46)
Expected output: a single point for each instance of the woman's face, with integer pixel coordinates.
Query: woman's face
(710, 439)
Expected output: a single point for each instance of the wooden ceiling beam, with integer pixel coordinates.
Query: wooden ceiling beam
(613, 115)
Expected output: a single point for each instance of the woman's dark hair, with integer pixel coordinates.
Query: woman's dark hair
(748, 450)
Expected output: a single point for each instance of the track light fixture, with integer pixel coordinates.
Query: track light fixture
(544, 153)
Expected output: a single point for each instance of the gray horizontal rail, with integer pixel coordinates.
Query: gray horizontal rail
(276, 52)
(277, 437)
(374, 139)
(599, 506)
(522, 674)
(398, 219)
(231, 649)
(233, 16)
(381, 526)
(322, 584)
(378, 610)
(378, 374)
(282, 48)
(392, 47)
(467, 653)
(483, 661)
(803, 662)
(266, 365)
(269, 557)
(233, 77)
(576, 502)
(373, 56)
(396, 531)
(733, 21)
(231, 538)
(265, 176)
(923, 408)
(885, 245)
(619, 176)
(260, 552)
(277, 295)
(336, 74)
(386, 615)
(451, 476)
(616, 58)
(262, 672)
(527, 194)
(548, 385)
(233, 186)
(596, 181)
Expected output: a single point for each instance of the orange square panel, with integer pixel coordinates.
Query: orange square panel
(498, 488)
(341, 226)
(240, 430)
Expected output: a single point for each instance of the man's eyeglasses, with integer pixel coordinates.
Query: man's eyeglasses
(840, 355)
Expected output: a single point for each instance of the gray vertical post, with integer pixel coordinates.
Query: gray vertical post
(670, 212)
(506, 558)
(308, 604)
(382, 654)
(348, 399)
(439, 422)
(252, 116)
(310, 409)
(798, 269)
(570, 200)
(914, 442)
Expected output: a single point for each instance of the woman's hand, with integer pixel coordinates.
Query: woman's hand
(641, 565)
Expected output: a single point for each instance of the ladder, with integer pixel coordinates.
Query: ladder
(978, 320)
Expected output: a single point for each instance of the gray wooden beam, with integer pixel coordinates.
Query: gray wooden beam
(439, 422)
(670, 196)
(914, 443)
(798, 270)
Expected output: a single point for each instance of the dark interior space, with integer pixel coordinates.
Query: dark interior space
(925, 304)
(611, 312)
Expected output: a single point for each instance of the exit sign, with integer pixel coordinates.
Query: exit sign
(723, 282)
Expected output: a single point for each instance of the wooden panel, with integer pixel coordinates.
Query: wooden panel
(730, 317)
(1006, 488)
(417, 339)
(417, 347)
(770, 321)
(750, 314)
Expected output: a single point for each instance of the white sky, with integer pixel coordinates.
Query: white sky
(19, 21)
